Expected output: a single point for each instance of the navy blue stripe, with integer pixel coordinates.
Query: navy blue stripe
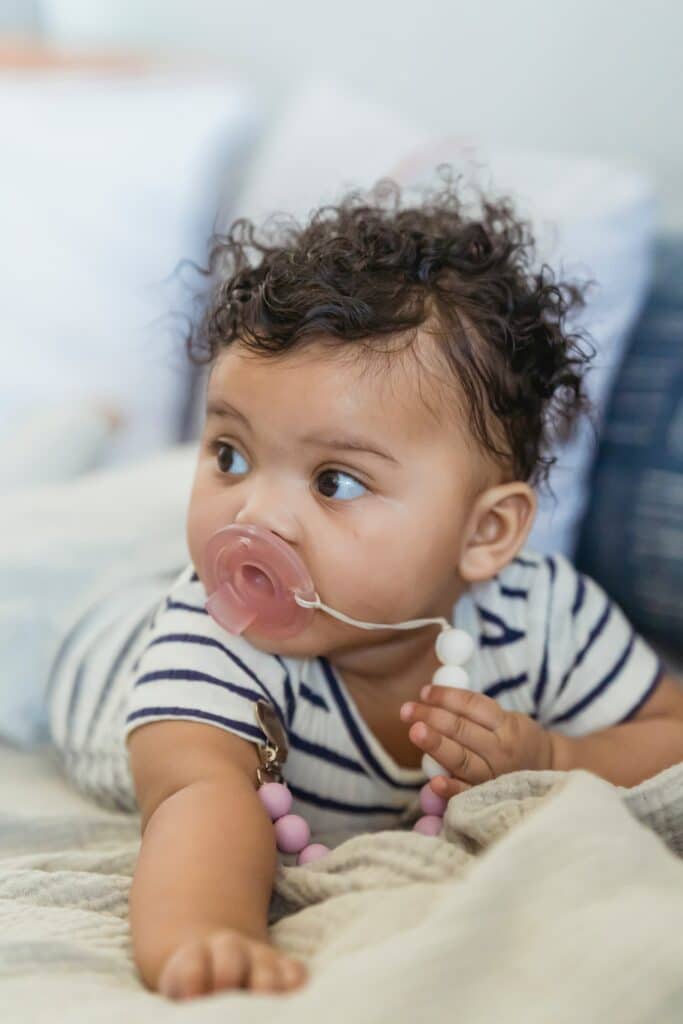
(75, 631)
(192, 675)
(507, 634)
(505, 684)
(656, 680)
(207, 641)
(63, 648)
(602, 685)
(328, 804)
(73, 699)
(182, 606)
(539, 689)
(592, 637)
(78, 681)
(512, 592)
(580, 593)
(312, 697)
(353, 729)
(289, 691)
(525, 562)
(325, 754)
(61, 653)
(177, 712)
(111, 675)
(150, 626)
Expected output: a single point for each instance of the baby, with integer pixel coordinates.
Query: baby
(385, 386)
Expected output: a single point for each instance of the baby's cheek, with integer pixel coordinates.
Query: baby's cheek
(379, 586)
(194, 535)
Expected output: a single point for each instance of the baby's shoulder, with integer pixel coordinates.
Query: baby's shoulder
(182, 613)
(527, 591)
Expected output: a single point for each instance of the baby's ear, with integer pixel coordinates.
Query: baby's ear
(497, 528)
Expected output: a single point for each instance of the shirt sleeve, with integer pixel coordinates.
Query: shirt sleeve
(594, 671)
(191, 668)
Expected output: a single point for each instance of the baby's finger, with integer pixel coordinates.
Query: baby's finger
(267, 974)
(292, 972)
(479, 708)
(186, 973)
(463, 730)
(230, 961)
(446, 788)
(452, 756)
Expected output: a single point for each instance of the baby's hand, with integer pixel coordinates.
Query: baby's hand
(473, 738)
(226, 959)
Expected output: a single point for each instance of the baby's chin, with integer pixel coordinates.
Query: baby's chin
(315, 640)
(321, 638)
(303, 645)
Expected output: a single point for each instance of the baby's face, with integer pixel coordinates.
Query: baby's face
(379, 530)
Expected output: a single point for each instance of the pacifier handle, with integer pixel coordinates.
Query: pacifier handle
(252, 577)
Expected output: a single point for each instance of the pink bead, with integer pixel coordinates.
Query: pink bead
(311, 853)
(276, 799)
(429, 825)
(292, 833)
(431, 802)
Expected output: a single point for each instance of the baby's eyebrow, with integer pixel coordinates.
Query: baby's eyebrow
(219, 407)
(354, 444)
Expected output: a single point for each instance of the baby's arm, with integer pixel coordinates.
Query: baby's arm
(203, 880)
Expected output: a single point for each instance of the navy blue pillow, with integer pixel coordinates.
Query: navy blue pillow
(631, 540)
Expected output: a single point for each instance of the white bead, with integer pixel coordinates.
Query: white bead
(451, 675)
(454, 646)
(432, 768)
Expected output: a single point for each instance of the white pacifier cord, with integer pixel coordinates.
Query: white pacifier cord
(408, 624)
(453, 648)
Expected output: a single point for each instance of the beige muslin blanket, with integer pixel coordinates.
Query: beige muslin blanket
(551, 897)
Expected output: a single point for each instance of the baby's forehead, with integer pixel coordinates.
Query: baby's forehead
(394, 387)
(412, 382)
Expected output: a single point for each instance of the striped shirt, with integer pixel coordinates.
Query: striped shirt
(549, 644)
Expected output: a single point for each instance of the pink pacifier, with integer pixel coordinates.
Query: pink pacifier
(251, 577)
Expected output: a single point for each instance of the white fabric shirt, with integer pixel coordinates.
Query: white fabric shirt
(549, 643)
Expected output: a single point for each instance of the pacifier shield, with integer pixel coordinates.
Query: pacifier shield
(251, 578)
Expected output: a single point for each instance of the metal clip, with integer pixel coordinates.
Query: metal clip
(274, 752)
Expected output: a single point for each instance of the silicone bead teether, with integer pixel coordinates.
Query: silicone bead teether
(276, 799)
(292, 833)
(312, 852)
(453, 647)
(429, 825)
(431, 802)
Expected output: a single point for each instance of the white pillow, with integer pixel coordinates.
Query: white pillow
(59, 543)
(56, 442)
(591, 218)
(108, 181)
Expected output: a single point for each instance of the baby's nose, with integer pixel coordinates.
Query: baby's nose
(270, 509)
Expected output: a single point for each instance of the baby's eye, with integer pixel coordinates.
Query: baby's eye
(330, 479)
(225, 455)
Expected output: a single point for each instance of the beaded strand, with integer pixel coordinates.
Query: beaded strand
(292, 832)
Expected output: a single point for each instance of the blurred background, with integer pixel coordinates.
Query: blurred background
(132, 128)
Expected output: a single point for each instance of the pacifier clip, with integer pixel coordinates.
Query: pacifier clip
(292, 832)
(255, 580)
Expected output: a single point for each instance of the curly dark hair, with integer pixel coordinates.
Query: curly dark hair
(371, 266)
